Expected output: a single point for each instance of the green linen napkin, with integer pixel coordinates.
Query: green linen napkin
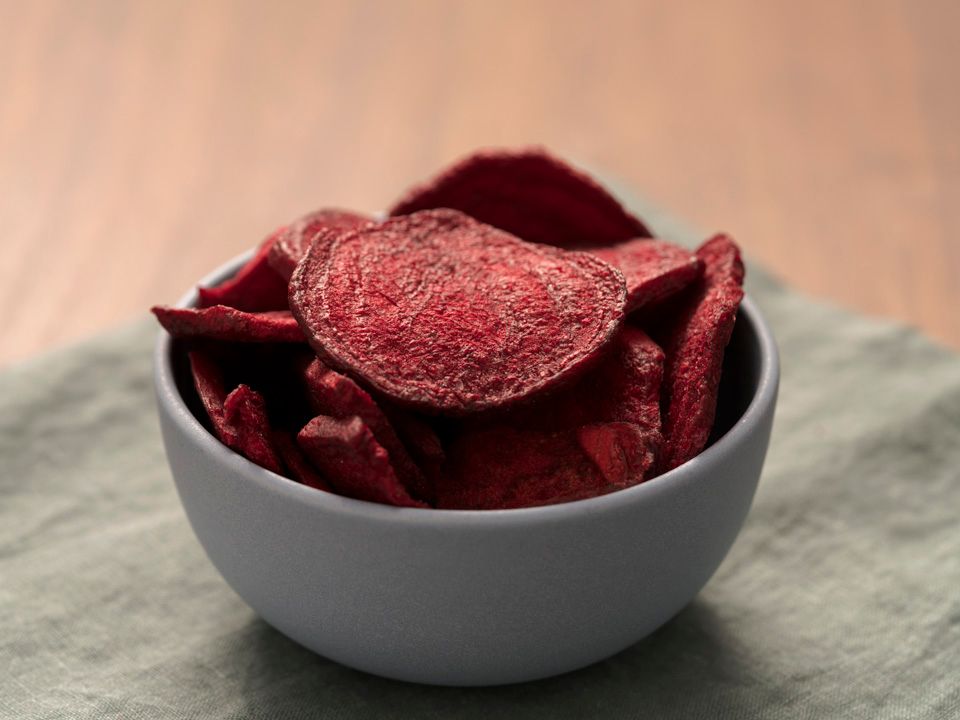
(841, 597)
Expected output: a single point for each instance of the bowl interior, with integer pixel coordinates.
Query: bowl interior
(742, 372)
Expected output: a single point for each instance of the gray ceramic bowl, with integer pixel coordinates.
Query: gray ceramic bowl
(454, 597)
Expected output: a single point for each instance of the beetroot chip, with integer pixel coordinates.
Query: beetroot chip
(530, 194)
(346, 452)
(694, 340)
(297, 464)
(422, 442)
(338, 396)
(503, 467)
(293, 241)
(443, 313)
(246, 413)
(621, 451)
(256, 287)
(624, 387)
(633, 383)
(210, 385)
(653, 269)
(226, 323)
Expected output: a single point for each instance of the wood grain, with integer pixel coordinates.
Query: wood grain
(141, 144)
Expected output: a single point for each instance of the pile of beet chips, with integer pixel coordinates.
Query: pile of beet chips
(509, 336)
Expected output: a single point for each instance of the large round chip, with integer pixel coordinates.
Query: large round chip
(530, 193)
(449, 315)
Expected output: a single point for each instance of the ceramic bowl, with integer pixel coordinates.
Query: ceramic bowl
(455, 597)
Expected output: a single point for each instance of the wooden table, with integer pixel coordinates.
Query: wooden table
(141, 144)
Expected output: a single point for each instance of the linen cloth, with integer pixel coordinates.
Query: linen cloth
(840, 598)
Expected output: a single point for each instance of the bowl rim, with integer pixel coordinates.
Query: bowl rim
(172, 404)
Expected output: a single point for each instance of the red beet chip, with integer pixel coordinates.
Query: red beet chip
(293, 241)
(624, 387)
(634, 380)
(503, 467)
(422, 442)
(346, 452)
(440, 312)
(256, 287)
(246, 413)
(211, 388)
(297, 463)
(226, 323)
(621, 451)
(531, 194)
(338, 396)
(694, 341)
(653, 269)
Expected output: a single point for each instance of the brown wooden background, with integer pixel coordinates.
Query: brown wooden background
(141, 144)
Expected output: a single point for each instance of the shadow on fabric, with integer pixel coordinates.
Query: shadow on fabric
(691, 664)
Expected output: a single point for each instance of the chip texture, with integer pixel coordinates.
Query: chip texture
(623, 387)
(246, 413)
(504, 467)
(621, 451)
(349, 456)
(530, 194)
(443, 313)
(220, 322)
(256, 287)
(211, 389)
(298, 466)
(694, 340)
(292, 241)
(335, 395)
(620, 394)
(653, 269)
(422, 442)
